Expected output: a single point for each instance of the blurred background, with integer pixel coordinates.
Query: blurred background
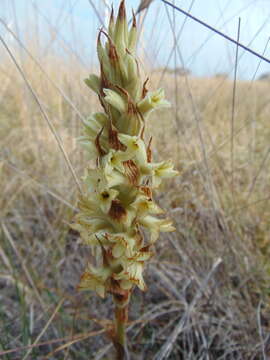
(70, 27)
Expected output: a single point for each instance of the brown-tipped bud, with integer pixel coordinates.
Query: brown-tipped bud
(132, 36)
(122, 11)
(132, 68)
(113, 56)
(135, 86)
(117, 70)
(134, 21)
(99, 47)
(131, 108)
(120, 37)
(104, 81)
(94, 83)
(102, 55)
(111, 24)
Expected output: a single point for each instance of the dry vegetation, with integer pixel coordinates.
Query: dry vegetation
(208, 286)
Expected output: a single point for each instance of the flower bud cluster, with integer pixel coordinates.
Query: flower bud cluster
(117, 209)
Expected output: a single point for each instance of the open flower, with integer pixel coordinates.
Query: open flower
(95, 125)
(114, 168)
(135, 148)
(152, 101)
(131, 275)
(144, 204)
(121, 244)
(162, 170)
(105, 198)
(91, 229)
(155, 226)
(95, 180)
(95, 279)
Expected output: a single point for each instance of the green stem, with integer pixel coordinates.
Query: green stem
(121, 318)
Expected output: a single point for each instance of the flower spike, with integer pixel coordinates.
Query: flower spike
(117, 206)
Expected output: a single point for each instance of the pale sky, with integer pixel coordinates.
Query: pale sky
(204, 53)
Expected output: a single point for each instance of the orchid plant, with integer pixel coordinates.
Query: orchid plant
(118, 217)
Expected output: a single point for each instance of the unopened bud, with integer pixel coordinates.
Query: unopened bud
(94, 83)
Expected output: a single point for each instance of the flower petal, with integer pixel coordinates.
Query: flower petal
(162, 170)
(94, 279)
(155, 226)
(153, 100)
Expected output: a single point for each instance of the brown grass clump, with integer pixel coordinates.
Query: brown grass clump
(208, 285)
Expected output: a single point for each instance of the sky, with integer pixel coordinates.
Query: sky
(75, 25)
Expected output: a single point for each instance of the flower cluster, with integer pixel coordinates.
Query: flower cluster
(117, 209)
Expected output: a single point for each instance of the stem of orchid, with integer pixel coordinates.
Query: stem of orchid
(121, 318)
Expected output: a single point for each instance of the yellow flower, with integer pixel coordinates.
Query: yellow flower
(155, 226)
(113, 168)
(92, 230)
(131, 275)
(122, 243)
(97, 198)
(114, 160)
(95, 279)
(141, 255)
(95, 180)
(152, 101)
(94, 123)
(162, 170)
(105, 198)
(145, 205)
(135, 148)
(93, 126)
(89, 146)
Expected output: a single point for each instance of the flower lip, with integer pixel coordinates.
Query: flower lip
(117, 211)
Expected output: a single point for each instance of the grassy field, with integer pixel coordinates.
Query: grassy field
(208, 286)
